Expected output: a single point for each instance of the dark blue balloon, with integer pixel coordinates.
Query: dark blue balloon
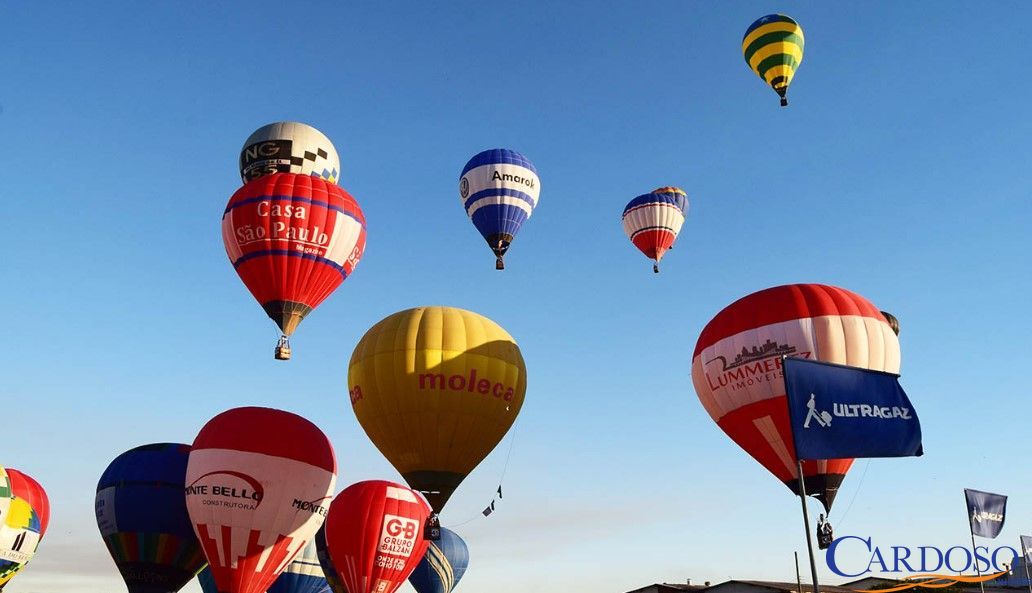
(442, 566)
(141, 513)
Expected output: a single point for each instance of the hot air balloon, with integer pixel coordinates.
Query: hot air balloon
(737, 371)
(302, 575)
(24, 516)
(773, 48)
(329, 571)
(499, 189)
(289, 147)
(258, 483)
(442, 566)
(374, 534)
(436, 388)
(292, 239)
(652, 221)
(141, 513)
(893, 322)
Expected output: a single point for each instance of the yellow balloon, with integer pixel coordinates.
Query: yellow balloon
(436, 388)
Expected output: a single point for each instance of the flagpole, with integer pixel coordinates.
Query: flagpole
(974, 560)
(799, 579)
(1024, 560)
(806, 528)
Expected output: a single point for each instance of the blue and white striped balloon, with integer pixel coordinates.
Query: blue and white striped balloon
(499, 189)
(442, 566)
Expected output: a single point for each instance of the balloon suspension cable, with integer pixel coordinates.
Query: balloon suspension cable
(501, 479)
(857, 491)
(499, 264)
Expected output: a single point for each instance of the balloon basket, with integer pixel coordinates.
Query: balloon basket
(432, 530)
(283, 349)
(499, 264)
(655, 268)
(784, 102)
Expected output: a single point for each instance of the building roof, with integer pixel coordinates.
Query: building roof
(784, 587)
(670, 587)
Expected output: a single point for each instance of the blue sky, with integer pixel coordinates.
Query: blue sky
(901, 170)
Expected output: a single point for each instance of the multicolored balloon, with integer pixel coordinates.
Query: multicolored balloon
(141, 513)
(736, 369)
(442, 566)
(374, 534)
(329, 571)
(420, 378)
(652, 221)
(773, 48)
(302, 575)
(24, 516)
(289, 147)
(258, 483)
(293, 239)
(499, 189)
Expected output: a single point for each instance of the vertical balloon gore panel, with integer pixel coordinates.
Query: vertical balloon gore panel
(436, 389)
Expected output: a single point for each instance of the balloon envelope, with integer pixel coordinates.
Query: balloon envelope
(141, 514)
(24, 516)
(289, 147)
(442, 566)
(374, 534)
(736, 369)
(257, 486)
(436, 388)
(773, 49)
(293, 240)
(499, 189)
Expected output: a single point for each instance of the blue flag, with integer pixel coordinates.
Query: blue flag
(840, 412)
(986, 512)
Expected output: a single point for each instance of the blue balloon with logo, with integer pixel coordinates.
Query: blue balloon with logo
(303, 575)
(499, 189)
(442, 566)
(141, 514)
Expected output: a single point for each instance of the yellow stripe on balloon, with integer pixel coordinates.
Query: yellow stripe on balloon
(774, 49)
(771, 28)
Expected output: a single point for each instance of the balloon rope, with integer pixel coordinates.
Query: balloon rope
(852, 500)
(505, 468)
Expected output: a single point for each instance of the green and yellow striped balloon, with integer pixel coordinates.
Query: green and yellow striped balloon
(773, 48)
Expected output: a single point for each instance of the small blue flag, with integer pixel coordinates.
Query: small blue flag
(840, 412)
(986, 512)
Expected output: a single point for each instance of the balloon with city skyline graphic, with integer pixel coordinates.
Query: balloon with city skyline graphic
(736, 369)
